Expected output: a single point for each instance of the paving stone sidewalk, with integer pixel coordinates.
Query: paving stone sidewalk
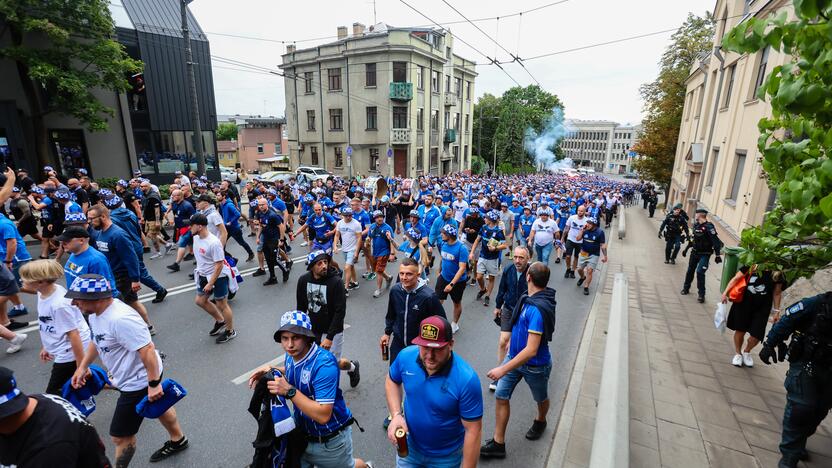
(689, 407)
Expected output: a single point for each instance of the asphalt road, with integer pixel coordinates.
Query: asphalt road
(214, 415)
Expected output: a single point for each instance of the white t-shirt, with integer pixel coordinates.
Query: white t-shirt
(57, 317)
(575, 224)
(459, 207)
(544, 231)
(119, 333)
(207, 253)
(214, 220)
(349, 234)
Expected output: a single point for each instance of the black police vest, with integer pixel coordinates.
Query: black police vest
(701, 241)
(673, 225)
(821, 326)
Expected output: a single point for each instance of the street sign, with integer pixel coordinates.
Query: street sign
(389, 152)
(349, 150)
(632, 154)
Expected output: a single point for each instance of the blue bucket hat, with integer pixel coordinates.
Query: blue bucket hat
(112, 201)
(75, 218)
(414, 234)
(89, 287)
(63, 194)
(296, 322)
(83, 399)
(449, 230)
(346, 212)
(493, 216)
(173, 392)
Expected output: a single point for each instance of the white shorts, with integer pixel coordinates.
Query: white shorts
(349, 257)
(490, 267)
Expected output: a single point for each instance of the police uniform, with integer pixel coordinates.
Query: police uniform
(809, 379)
(673, 226)
(705, 241)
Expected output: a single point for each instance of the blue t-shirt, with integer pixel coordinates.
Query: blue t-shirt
(592, 241)
(320, 225)
(486, 234)
(412, 252)
(182, 213)
(530, 321)
(429, 215)
(316, 376)
(270, 222)
(435, 405)
(8, 230)
(517, 210)
(45, 213)
(452, 256)
(525, 223)
(116, 245)
(278, 204)
(362, 217)
(381, 245)
(89, 261)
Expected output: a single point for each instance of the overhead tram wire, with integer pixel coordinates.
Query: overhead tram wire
(493, 61)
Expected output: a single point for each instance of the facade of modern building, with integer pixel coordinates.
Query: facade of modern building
(601, 145)
(383, 101)
(717, 165)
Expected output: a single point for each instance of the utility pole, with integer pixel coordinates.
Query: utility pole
(479, 136)
(189, 65)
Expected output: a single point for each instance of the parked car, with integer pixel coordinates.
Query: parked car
(313, 173)
(226, 173)
(272, 177)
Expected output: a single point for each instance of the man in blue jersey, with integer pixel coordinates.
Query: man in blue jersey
(443, 406)
(452, 271)
(83, 259)
(492, 241)
(321, 228)
(231, 217)
(309, 380)
(381, 235)
(594, 245)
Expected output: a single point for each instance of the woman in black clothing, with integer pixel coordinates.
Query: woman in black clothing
(750, 316)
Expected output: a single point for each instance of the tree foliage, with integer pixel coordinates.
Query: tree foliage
(664, 99)
(63, 52)
(505, 120)
(478, 164)
(796, 236)
(226, 131)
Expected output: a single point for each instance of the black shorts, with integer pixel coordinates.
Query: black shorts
(456, 291)
(46, 232)
(572, 248)
(126, 421)
(8, 283)
(505, 319)
(125, 287)
(28, 228)
(60, 374)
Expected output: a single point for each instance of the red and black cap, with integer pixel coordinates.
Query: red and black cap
(434, 332)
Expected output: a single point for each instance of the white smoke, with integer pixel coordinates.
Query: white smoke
(540, 145)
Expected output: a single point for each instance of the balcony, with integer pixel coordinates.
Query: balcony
(451, 99)
(450, 135)
(401, 136)
(400, 91)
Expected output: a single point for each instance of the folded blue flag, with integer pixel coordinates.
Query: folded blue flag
(173, 392)
(83, 398)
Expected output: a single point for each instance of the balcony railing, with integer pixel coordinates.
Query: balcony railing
(401, 91)
(451, 99)
(450, 135)
(401, 136)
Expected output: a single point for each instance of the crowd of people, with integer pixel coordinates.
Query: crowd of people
(423, 240)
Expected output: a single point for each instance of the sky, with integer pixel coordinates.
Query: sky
(599, 83)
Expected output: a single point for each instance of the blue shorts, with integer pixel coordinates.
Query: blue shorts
(349, 257)
(186, 239)
(220, 290)
(537, 377)
(414, 459)
(260, 244)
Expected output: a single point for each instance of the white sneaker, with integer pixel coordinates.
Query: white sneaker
(16, 343)
(737, 361)
(747, 360)
(377, 293)
(493, 386)
(304, 244)
(454, 327)
(156, 255)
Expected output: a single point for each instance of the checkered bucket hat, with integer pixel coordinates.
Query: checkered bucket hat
(90, 287)
(295, 322)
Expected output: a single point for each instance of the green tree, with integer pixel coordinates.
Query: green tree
(796, 236)
(226, 131)
(664, 99)
(64, 51)
(486, 114)
(478, 164)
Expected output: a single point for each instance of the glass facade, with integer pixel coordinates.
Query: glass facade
(168, 152)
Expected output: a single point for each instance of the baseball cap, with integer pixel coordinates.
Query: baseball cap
(72, 233)
(377, 213)
(434, 332)
(701, 210)
(12, 400)
(199, 219)
(89, 287)
(205, 198)
(295, 322)
(415, 213)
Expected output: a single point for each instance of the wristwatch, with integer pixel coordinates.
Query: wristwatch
(291, 393)
(154, 383)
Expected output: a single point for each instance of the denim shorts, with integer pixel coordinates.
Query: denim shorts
(537, 377)
(260, 243)
(334, 453)
(220, 290)
(349, 257)
(185, 239)
(415, 459)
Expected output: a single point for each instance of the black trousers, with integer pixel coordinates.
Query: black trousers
(671, 246)
(270, 249)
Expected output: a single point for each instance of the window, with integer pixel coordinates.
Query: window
(434, 120)
(420, 159)
(334, 75)
(420, 78)
(400, 72)
(688, 102)
(370, 74)
(313, 151)
(468, 90)
(400, 117)
(307, 82)
(434, 81)
(465, 158)
(335, 119)
(374, 159)
(372, 118)
(447, 120)
(420, 120)
(467, 122)
(447, 84)
(456, 153)
(712, 169)
(447, 52)
(434, 158)
(738, 168)
(701, 94)
(310, 120)
(761, 70)
(278, 148)
(458, 86)
(339, 157)
(730, 87)
(456, 121)
(259, 148)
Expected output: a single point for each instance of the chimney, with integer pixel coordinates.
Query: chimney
(342, 32)
(357, 29)
(290, 48)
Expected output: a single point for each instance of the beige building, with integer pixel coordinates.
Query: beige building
(601, 145)
(227, 153)
(717, 164)
(398, 99)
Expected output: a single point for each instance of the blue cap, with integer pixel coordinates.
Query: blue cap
(173, 392)
(415, 213)
(346, 211)
(592, 219)
(48, 169)
(83, 398)
(315, 256)
(112, 201)
(75, 218)
(414, 234)
(89, 287)
(122, 182)
(493, 215)
(385, 199)
(450, 230)
(63, 194)
(37, 190)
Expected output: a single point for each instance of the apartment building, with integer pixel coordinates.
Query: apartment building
(601, 145)
(384, 100)
(717, 163)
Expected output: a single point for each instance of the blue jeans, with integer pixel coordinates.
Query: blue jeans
(148, 280)
(671, 246)
(520, 236)
(537, 377)
(415, 459)
(808, 400)
(543, 252)
(334, 453)
(699, 265)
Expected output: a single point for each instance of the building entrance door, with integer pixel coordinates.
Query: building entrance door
(400, 162)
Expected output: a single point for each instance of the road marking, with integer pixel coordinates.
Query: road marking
(274, 362)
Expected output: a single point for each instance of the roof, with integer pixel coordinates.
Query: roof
(162, 17)
(226, 146)
(243, 119)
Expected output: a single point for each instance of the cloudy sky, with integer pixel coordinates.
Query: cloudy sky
(598, 83)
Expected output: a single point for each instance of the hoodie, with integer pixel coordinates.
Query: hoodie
(325, 301)
(545, 302)
(406, 310)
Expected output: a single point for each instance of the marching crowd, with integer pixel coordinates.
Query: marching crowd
(445, 234)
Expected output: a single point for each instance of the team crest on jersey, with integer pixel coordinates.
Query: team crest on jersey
(73, 267)
(304, 376)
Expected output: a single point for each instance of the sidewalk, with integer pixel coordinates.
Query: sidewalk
(689, 407)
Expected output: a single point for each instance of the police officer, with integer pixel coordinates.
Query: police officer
(674, 227)
(809, 379)
(704, 242)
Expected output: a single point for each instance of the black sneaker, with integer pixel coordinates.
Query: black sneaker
(170, 448)
(145, 249)
(666, 262)
(218, 326)
(272, 280)
(536, 431)
(700, 299)
(672, 261)
(226, 336)
(566, 273)
(259, 272)
(250, 257)
(581, 281)
(189, 256)
(355, 376)
(286, 276)
(586, 291)
(160, 296)
(190, 276)
(557, 260)
(173, 267)
(16, 325)
(231, 295)
(485, 301)
(684, 292)
(353, 286)
(480, 294)
(493, 449)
